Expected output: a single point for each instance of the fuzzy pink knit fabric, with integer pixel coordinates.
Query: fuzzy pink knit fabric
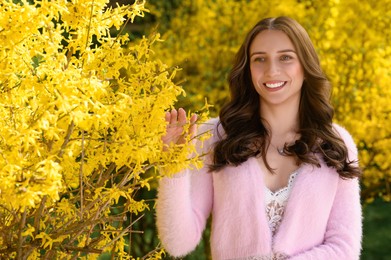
(322, 219)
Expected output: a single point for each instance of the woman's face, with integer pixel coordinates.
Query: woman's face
(276, 71)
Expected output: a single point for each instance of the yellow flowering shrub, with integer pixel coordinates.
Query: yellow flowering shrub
(82, 116)
(351, 37)
(355, 50)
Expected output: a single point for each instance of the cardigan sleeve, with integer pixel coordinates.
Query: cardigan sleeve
(183, 206)
(343, 235)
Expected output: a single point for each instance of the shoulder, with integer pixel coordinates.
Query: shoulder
(346, 137)
(344, 134)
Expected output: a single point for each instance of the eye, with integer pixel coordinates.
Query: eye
(259, 59)
(286, 58)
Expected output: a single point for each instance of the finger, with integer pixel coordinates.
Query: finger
(193, 127)
(193, 119)
(173, 119)
(167, 117)
(182, 116)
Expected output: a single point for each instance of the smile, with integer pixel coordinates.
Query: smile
(275, 85)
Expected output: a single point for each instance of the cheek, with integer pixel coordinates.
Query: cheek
(255, 76)
(256, 84)
(298, 72)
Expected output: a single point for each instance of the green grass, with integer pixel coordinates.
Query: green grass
(377, 231)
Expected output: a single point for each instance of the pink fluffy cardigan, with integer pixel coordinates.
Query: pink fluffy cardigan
(322, 218)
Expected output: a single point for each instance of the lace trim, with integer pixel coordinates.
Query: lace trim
(276, 202)
(292, 177)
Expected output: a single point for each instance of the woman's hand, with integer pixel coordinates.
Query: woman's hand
(175, 132)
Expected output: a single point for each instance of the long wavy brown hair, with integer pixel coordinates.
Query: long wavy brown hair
(245, 135)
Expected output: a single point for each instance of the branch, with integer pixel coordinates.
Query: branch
(81, 176)
(107, 174)
(122, 233)
(89, 23)
(82, 249)
(38, 215)
(20, 237)
(66, 141)
(151, 253)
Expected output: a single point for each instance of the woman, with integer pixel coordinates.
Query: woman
(280, 179)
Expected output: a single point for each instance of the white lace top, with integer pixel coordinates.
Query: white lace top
(276, 201)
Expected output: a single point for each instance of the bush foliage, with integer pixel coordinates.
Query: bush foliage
(82, 116)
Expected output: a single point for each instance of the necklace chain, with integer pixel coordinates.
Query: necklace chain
(279, 150)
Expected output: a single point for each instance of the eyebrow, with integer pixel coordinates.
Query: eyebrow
(281, 51)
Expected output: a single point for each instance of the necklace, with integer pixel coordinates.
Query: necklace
(279, 150)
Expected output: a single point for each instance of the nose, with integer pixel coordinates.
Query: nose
(272, 68)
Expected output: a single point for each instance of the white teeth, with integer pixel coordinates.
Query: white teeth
(274, 85)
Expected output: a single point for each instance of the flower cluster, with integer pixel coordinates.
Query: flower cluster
(82, 116)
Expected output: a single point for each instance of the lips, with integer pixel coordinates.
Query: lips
(274, 85)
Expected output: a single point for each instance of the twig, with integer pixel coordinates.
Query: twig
(6, 209)
(112, 252)
(75, 256)
(38, 215)
(81, 176)
(89, 23)
(82, 249)
(120, 32)
(20, 237)
(131, 231)
(151, 252)
(122, 233)
(88, 36)
(108, 173)
(125, 178)
(66, 141)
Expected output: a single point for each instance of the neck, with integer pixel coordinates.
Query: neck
(282, 120)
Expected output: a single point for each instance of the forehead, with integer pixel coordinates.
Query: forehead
(271, 41)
